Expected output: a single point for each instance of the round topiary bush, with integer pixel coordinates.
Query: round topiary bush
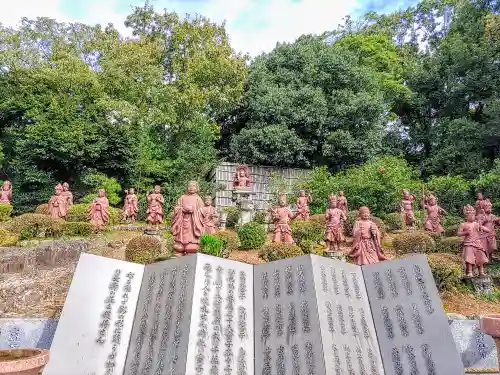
(7, 239)
(413, 242)
(29, 226)
(394, 221)
(42, 209)
(260, 217)
(449, 245)
(446, 270)
(252, 235)
(233, 215)
(5, 212)
(79, 229)
(277, 251)
(308, 230)
(230, 239)
(143, 249)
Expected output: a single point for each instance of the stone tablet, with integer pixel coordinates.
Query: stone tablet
(412, 329)
(347, 331)
(195, 316)
(26, 333)
(94, 328)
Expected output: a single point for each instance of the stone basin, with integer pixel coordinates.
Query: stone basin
(490, 324)
(23, 361)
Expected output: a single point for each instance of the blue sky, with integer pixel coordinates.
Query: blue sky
(254, 26)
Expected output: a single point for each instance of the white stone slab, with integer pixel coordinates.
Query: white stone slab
(82, 344)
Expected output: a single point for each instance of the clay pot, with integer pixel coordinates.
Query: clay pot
(23, 361)
(490, 324)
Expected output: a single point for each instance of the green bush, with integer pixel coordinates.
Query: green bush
(94, 181)
(381, 225)
(42, 209)
(260, 217)
(143, 249)
(211, 245)
(446, 270)
(308, 230)
(75, 228)
(449, 245)
(451, 231)
(79, 213)
(7, 239)
(394, 221)
(450, 220)
(5, 212)
(489, 183)
(452, 192)
(230, 239)
(252, 235)
(349, 223)
(29, 226)
(233, 215)
(277, 251)
(311, 247)
(319, 218)
(413, 242)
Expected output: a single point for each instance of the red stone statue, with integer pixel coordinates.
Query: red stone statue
(98, 213)
(488, 220)
(334, 217)
(187, 225)
(155, 207)
(480, 202)
(342, 202)
(58, 204)
(6, 193)
(407, 208)
(130, 206)
(433, 214)
(68, 195)
(242, 178)
(209, 216)
(367, 244)
(282, 215)
(303, 205)
(474, 253)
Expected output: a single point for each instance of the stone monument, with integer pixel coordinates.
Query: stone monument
(68, 194)
(209, 216)
(490, 324)
(6, 193)
(367, 241)
(130, 206)
(155, 207)
(282, 215)
(58, 204)
(187, 225)
(433, 212)
(334, 235)
(98, 213)
(303, 202)
(407, 209)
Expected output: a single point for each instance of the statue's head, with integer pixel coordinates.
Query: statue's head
(480, 195)
(282, 199)
(65, 186)
(208, 200)
(333, 201)
(6, 185)
(157, 189)
(469, 213)
(431, 200)
(302, 193)
(59, 189)
(192, 187)
(131, 191)
(488, 207)
(364, 213)
(341, 193)
(101, 193)
(406, 194)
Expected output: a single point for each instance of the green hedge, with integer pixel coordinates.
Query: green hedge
(230, 240)
(79, 213)
(413, 242)
(5, 212)
(446, 270)
(252, 235)
(277, 251)
(211, 245)
(143, 249)
(29, 226)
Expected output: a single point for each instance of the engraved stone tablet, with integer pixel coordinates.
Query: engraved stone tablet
(412, 329)
(94, 328)
(26, 333)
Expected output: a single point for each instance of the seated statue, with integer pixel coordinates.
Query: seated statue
(58, 204)
(98, 212)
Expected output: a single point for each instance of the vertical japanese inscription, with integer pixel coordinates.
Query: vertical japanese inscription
(324, 282)
(379, 287)
(266, 324)
(364, 323)
(411, 359)
(289, 280)
(405, 281)
(301, 279)
(355, 282)
(304, 312)
(292, 319)
(345, 283)
(403, 325)
(295, 360)
(348, 360)
(340, 314)
(280, 320)
(389, 326)
(329, 317)
(229, 317)
(429, 362)
(242, 287)
(280, 361)
(396, 362)
(267, 369)
(352, 318)
(416, 319)
(424, 295)
(216, 323)
(393, 288)
(310, 363)
(264, 285)
(179, 316)
(336, 360)
(109, 301)
(276, 283)
(361, 364)
(334, 281)
(202, 334)
(167, 319)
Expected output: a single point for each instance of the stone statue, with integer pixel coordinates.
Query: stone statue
(367, 243)
(130, 206)
(98, 212)
(480, 202)
(342, 202)
(58, 204)
(282, 215)
(334, 217)
(187, 225)
(407, 208)
(6, 193)
(68, 195)
(242, 178)
(155, 207)
(474, 253)
(433, 214)
(209, 216)
(488, 220)
(303, 205)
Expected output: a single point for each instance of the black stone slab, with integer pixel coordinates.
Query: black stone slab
(287, 328)
(412, 329)
(347, 332)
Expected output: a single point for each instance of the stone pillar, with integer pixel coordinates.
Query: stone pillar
(243, 200)
(490, 324)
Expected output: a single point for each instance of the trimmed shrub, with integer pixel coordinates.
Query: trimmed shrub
(260, 217)
(211, 245)
(450, 220)
(233, 215)
(42, 209)
(449, 245)
(230, 239)
(168, 240)
(308, 230)
(29, 226)
(349, 223)
(311, 247)
(319, 218)
(381, 225)
(446, 270)
(75, 228)
(394, 221)
(7, 239)
(115, 215)
(413, 242)
(451, 231)
(252, 235)
(277, 251)
(143, 249)
(5, 212)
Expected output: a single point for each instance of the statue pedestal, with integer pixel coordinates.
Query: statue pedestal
(222, 220)
(481, 285)
(243, 200)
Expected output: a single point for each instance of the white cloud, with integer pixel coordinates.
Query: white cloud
(11, 13)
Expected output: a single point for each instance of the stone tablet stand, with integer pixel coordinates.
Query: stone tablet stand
(202, 315)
